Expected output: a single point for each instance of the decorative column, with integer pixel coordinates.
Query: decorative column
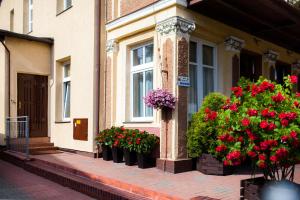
(173, 37)
(233, 47)
(111, 59)
(269, 69)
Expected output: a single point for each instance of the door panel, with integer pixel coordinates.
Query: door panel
(33, 102)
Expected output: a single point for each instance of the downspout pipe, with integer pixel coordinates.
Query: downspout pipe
(8, 53)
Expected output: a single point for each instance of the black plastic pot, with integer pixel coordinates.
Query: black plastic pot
(130, 157)
(117, 154)
(145, 161)
(106, 152)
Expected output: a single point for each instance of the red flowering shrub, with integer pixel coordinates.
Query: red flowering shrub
(261, 121)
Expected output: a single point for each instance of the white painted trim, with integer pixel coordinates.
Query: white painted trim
(200, 66)
(137, 69)
(160, 5)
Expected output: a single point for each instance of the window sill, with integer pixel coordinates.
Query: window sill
(61, 12)
(138, 122)
(62, 122)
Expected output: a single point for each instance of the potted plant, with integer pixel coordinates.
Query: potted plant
(261, 121)
(117, 150)
(144, 146)
(202, 136)
(105, 140)
(128, 147)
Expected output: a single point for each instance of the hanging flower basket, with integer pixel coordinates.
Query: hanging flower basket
(160, 99)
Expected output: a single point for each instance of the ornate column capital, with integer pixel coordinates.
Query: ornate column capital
(271, 56)
(112, 46)
(234, 44)
(175, 25)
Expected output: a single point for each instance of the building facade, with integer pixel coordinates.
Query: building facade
(149, 44)
(154, 44)
(66, 107)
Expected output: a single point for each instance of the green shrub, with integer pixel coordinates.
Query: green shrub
(201, 135)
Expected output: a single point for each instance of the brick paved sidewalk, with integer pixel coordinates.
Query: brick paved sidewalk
(151, 181)
(16, 183)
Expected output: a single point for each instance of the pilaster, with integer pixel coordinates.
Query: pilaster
(111, 61)
(173, 35)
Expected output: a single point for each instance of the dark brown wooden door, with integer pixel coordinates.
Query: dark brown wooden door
(33, 102)
(250, 65)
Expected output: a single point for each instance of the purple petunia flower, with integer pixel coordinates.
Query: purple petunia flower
(159, 99)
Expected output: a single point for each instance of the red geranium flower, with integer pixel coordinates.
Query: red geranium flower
(252, 112)
(293, 79)
(252, 154)
(221, 148)
(273, 159)
(271, 126)
(278, 98)
(262, 157)
(238, 91)
(284, 138)
(245, 122)
(282, 153)
(263, 124)
(293, 134)
(284, 122)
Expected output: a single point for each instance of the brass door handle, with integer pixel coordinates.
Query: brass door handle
(20, 105)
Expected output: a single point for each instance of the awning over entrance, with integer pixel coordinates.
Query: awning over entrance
(273, 20)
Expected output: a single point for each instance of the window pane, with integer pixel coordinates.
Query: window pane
(208, 81)
(149, 53)
(66, 70)
(208, 55)
(138, 102)
(193, 91)
(149, 87)
(138, 56)
(67, 87)
(68, 3)
(193, 52)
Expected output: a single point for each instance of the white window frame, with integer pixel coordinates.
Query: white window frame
(64, 81)
(65, 4)
(30, 16)
(200, 66)
(137, 69)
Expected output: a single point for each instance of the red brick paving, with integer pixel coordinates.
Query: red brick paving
(151, 182)
(16, 183)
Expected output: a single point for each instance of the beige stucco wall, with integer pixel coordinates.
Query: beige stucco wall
(2, 94)
(5, 8)
(73, 32)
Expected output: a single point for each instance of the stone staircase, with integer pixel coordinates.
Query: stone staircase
(42, 145)
(38, 146)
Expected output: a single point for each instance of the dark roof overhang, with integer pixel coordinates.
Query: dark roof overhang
(5, 33)
(273, 20)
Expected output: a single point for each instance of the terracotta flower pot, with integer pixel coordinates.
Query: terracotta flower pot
(207, 164)
(145, 161)
(130, 157)
(117, 154)
(106, 153)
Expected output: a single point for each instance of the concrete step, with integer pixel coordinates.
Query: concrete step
(41, 145)
(33, 150)
(46, 152)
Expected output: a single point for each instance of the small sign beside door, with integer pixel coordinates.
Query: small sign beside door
(183, 81)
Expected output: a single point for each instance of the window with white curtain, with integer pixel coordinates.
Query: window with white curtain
(30, 15)
(66, 91)
(141, 81)
(202, 72)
